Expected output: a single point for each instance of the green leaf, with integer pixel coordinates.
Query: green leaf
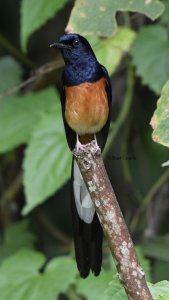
(47, 160)
(19, 116)
(115, 290)
(160, 270)
(34, 14)
(160, 119)
(109, 52)
(150, 56)
(20, 277)
(87, 16)
(165, 15)
(10, 244)
(157, 247)
(160, 290)
(94, 287)
(10, 73)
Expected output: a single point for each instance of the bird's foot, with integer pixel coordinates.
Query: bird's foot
(95, 145)
(79, 146)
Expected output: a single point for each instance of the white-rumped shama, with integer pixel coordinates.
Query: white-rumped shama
(85, 99)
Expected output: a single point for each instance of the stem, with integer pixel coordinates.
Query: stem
(15, 52)
(55, 232)
(126, 165)
(154, 189)
(124, 110)
(45, 69)
(125, 162)
(149, 197)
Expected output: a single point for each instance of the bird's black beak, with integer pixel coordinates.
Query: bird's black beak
(60, 46)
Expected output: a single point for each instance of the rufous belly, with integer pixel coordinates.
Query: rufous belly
(86, 109)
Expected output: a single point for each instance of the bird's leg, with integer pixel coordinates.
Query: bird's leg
(96, 144)
(79, 146)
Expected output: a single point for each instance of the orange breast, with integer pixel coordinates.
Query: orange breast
(86, 109)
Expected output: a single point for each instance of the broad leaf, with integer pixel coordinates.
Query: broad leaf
(19, 116)
(87, 16)
(109, 52)
(16, 236)
(150, 56)
(20, 277)
(115, 290)
(34, 14)
(94, 287)
(47, 160)
(160, 270)
(10, 73)
(160, 290)
(160, 119)
(157, 247)
(165, 15)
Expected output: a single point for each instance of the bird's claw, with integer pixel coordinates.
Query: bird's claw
(79, 146)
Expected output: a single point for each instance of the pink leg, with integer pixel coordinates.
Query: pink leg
(97, 146)
(79, 146)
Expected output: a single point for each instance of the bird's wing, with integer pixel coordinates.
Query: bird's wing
(102, 135)
(70, 134)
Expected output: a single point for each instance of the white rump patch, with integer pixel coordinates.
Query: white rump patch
(83, 200)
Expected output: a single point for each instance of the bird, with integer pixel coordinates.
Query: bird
(86, 98)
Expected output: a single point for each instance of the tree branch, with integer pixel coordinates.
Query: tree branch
(15, 52)
(94, 174)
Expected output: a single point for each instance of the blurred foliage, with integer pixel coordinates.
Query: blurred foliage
(22, 270)
(10, 245)
(35, 161)
(153, 74)
(82, 14)
(114, 47)
(160, 120)
(41, 12)
(43, 157)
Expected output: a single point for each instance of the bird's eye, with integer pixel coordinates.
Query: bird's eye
(76, 42)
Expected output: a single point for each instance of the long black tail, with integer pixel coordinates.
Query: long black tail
(87, 235)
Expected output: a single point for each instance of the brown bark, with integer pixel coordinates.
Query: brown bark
(129, 270)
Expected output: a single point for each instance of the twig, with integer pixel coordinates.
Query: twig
(124, 110)
(55, 232)
(149, 197)
(161, 180)
(94, 174)
(157, 211)
(13, 190)
(16, 53)
(49, 67)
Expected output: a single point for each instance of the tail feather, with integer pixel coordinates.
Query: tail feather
(86, 228)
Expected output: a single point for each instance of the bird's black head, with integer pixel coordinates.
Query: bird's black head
(74, 48)
(80, 60)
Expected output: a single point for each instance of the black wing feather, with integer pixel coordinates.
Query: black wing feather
(87, 241)
(70, 134)
(103, 134)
